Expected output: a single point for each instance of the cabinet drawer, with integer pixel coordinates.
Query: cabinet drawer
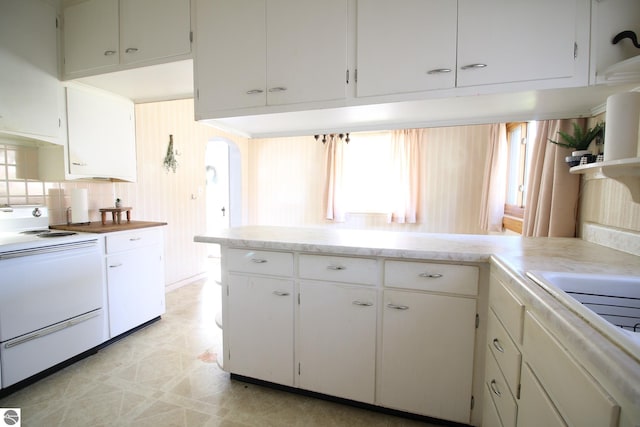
(362, 271)
(578, 397)
(424, 276)
(260, 262)
(133, 239)
(508, 308)
(499, 393)
(505, 351)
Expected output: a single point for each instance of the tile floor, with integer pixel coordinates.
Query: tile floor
(166, 375)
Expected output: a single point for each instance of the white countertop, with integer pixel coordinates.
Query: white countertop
(516, 255)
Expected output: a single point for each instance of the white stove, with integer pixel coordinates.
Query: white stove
(27, 227)
(51, 294)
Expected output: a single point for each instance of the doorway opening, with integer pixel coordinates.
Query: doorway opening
(223, 187)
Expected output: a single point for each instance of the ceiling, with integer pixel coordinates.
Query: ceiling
(175, 81)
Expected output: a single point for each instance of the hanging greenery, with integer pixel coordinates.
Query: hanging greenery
(170, 161)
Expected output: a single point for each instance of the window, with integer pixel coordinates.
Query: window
(367, 163)
(518, 135)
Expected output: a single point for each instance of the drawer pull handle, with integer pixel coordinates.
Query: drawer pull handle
(430, 275)
(131, 50)
(473, 66)
(116, 265)
(258, 260)
(135, 239)
(362, 303)
(398, 307)
(497, 345)
(439, 71)
(254, 91)
(281, 293)
(494, 388)
(277, 89)
(109, 52)
(336, 267)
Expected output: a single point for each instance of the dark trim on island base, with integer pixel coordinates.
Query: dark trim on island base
(52, 370)
(367, 406)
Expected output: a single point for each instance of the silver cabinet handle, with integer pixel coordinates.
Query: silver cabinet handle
(115, 265)
(439, 71)
(135, 239)
(281, 293)
(497, 345)
(131, 50)
(78, 164)
(258, 260)
(473, 66)
(254, 91)
(336, 267)
(277, 89)
(494, 388)
(109, 52)
(398, 307)
(362, 303)
(430, 275)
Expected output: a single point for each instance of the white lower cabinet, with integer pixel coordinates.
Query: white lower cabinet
(337, 340)
(427, 354)
(260, 328)
(135, 278)
(536, 409)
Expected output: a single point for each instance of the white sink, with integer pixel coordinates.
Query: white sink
(612, 298)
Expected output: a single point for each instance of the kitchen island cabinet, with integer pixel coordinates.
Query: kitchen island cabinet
(608, 375)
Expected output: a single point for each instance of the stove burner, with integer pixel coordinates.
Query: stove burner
(35, 231)
(57, 234)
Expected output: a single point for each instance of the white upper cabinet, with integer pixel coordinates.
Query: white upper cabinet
(519, 40)
(101, 132)
(30, 92)
(108, 35)
(306, 50)
(256, 53)
(91, 35)
(406, 46)
(234, 30)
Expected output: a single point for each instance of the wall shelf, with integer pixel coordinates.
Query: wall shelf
(625, 171)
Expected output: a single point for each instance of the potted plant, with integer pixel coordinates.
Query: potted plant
(579, 142)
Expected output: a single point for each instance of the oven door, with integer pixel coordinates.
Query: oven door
(47, 285)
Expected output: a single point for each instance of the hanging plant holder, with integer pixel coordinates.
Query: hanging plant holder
(170, 161)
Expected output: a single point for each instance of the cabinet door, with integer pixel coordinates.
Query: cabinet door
(230, 60)
(152, 29)
(90, 35)
(101, 133)
(427, 354)
(135, 284)
(500, 42)
(337, 340)
(29, 88)
(535, 408)
(260, 328)
(306, 50)
(406, 46)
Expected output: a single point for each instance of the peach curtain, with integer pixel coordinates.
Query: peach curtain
(334, 189)
(551, 203)
(495, 179)
(406, 155)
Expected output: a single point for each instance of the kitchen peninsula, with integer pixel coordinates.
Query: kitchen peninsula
(400, 320)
